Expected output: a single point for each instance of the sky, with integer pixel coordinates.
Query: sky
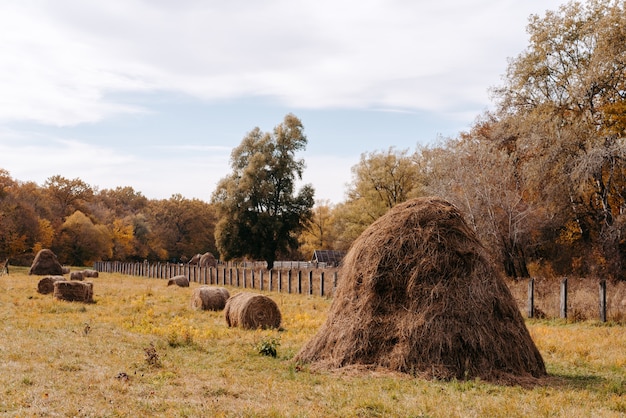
(155, 94)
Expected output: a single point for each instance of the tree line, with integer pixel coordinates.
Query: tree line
(540, 178)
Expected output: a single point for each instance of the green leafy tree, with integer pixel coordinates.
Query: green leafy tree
(260, 215)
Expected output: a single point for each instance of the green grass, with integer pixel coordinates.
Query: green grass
(139, 350)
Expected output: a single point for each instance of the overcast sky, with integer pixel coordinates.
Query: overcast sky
(155, 94)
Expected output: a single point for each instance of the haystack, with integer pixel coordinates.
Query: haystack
(418, 294)
(251, 311)
(90, 273)
(73, 291)
(207, 260)
(181, 281)
(46, 263)
(46, 285)
(209, 298)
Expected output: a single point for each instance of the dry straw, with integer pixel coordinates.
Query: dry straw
(209, 298)
(419, 295)
(74, 291)
(251, 311)
(46, 284)
(45, 263)
(181, 281)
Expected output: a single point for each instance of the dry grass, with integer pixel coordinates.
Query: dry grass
(140, 350)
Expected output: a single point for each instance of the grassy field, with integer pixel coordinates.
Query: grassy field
(139, 350)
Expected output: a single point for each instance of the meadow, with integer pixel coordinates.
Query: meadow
(140, 350)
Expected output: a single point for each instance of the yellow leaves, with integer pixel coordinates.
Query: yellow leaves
(614, 116)
(570, 233)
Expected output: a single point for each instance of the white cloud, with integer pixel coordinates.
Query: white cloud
(63, 59)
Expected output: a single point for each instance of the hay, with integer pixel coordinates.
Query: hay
(181, 281)
(77, 275)
(419, 295)
(208, 298)
(46, 285)
(251, 311)
(90, 273)
(46, 263)
(73, 291)
(207, 260)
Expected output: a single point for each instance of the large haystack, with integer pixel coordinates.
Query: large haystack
(46, 263)
(207, 260)
(418, 294)
(251, 311)
(209, 298)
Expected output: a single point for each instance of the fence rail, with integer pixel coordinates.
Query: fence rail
(312, 281)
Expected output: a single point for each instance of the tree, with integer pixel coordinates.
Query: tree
(260, 216)
(81, 242)
(182, 227)
(319, 233)
(380, 180)
(68, 195)
(564, 100)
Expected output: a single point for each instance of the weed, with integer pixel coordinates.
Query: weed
(268, 346)
(152, 357)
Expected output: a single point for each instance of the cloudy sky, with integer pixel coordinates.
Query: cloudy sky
(154, 94)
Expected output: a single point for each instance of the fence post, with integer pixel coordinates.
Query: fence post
(311, 282)
(531, 298)
(271, 279)
(321, 283)
(603, 300)
(289, 281)
(564, 298)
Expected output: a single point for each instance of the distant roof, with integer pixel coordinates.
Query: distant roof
(328, 256)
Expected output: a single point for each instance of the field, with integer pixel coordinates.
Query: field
(139, 350)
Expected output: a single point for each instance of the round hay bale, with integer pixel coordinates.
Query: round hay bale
(418, 294)
(208, 298)
(66, 270)
(207, 260)
(251, 311)
(181, 281)
(46, 263)
(90, 273)
(77, 275)
(46, 284)
(73, 291)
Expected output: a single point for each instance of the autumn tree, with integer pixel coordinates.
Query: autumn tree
(319, 232)
(67, 195)
(260, 213)
(380, 180)
(80, 241)
(182, 227)
(564, 100)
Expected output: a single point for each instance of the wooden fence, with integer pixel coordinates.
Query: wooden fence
(541, 299)
(311, 281)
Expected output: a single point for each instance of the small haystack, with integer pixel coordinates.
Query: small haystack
(46, 263)
(181, 281)
(209, 298)
(46, 285)
(73, 291)
(90, 273)
(251, 311)
(77, 275)
(419, 295)
(207, 260)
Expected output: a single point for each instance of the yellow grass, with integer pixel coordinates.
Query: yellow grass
(140, 350)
